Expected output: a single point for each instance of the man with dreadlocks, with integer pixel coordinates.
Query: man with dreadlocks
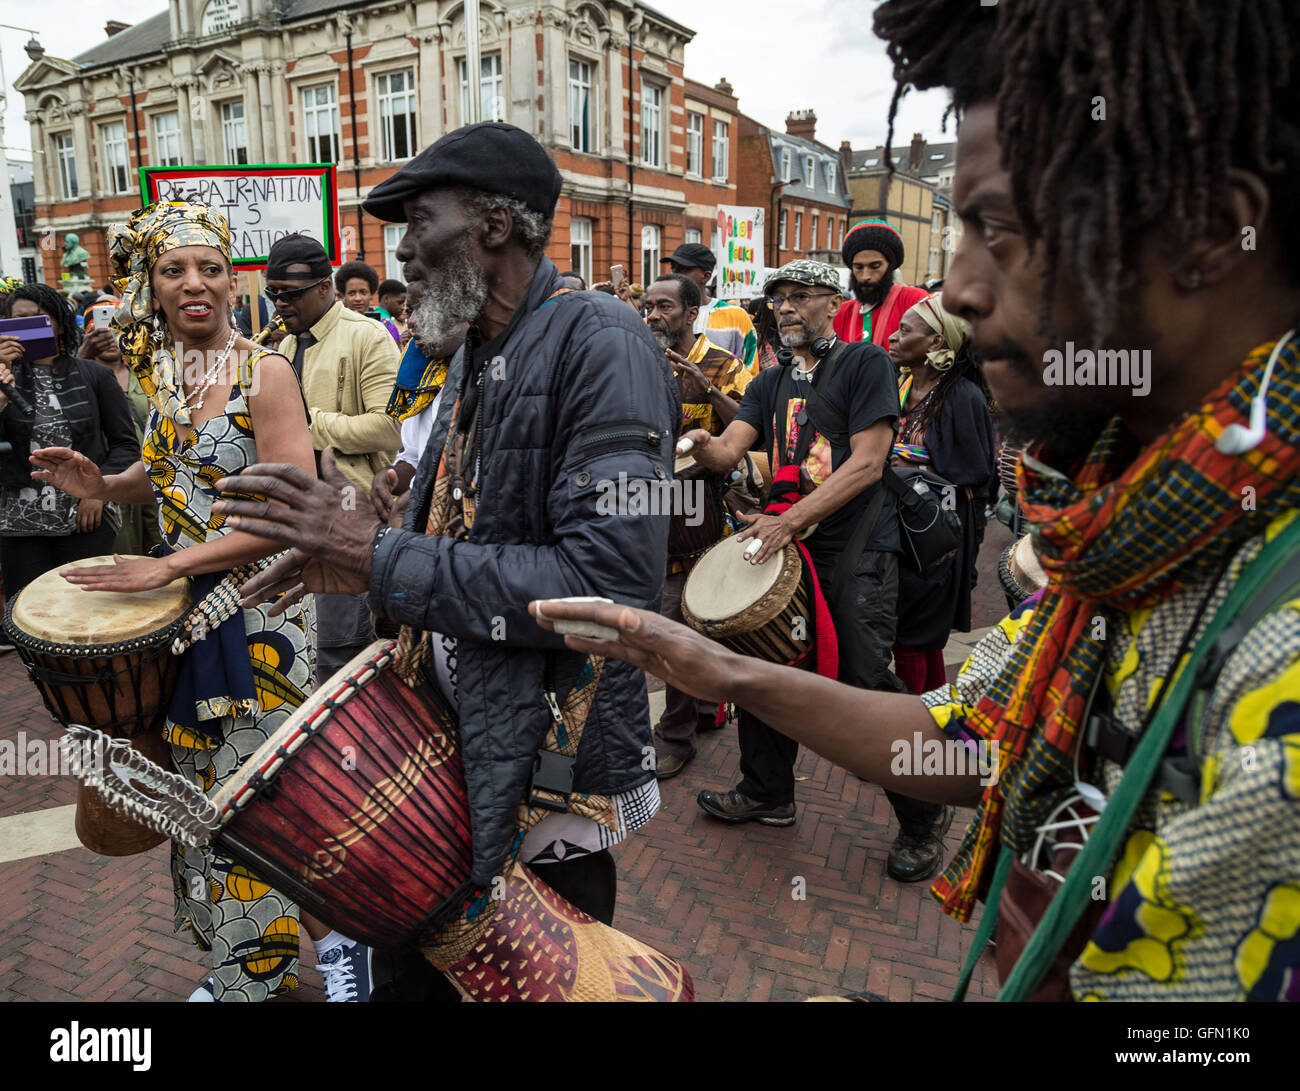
(1125, 178)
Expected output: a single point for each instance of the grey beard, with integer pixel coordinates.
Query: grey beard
(795, 337)
(454, 298)
(664, 340)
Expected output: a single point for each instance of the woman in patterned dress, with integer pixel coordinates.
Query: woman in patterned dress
(227, 405)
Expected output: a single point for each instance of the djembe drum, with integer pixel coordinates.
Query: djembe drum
(689, 538)
(761, 610)
(357, 809)
(1019, 571)
(103, 659)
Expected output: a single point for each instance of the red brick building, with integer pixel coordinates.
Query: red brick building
(646, 155)
(800, 181)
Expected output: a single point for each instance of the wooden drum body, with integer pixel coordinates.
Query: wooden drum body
(103, 659)
(761, 610)
(684, 540)
(356, 807)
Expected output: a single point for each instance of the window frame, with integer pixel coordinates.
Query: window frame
(158, 136)
(109, 166)
(798, 229)
(386, 125)
(581, 262)
(698, 135)
(496, 79)
(393, 267)
(650, 270)
(810, 172)
(658, 163)
(591, 145)
(787, 164)
(696, 232)
(66, 165)
(812, 229)
(782, 225)
(722, 141)
(310, 117)
(226, 124)
(830, 176)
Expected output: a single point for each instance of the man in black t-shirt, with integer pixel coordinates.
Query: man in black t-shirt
(855, 400)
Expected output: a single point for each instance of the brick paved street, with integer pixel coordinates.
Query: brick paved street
(74, 925)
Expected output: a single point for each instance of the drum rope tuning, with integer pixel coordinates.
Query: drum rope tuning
(177, 808)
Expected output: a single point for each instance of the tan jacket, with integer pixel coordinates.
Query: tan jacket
(347, 377)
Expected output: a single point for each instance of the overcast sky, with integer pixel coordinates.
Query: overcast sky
(779, 55)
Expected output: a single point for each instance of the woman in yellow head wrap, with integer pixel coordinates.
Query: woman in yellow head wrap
(219, 403)
(945, 428)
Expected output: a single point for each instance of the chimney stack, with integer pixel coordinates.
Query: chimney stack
(916, 153)
(113, 26)
(723, 87)
(846, 158)
(801, 123)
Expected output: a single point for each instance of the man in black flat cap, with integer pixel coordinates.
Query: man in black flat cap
(727, 324)
(554, 395)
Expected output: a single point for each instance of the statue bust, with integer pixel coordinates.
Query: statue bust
(74, 257)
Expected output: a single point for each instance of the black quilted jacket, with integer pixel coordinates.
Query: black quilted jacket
(579, 394)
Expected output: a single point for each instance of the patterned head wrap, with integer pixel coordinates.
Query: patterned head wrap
(956, 331)
(133, 250)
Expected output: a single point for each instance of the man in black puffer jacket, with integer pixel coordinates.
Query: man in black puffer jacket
(566, 407)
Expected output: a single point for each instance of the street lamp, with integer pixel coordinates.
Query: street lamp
(774, 206)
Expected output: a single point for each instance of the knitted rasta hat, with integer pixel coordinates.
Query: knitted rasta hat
(874, 235)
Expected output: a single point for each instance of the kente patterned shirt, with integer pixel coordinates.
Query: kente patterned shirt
(725, 371)
(1204, 898)
(730, 327)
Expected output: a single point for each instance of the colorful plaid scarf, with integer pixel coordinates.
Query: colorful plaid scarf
(1131, 529)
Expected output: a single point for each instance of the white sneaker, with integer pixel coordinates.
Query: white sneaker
(204, 994)
(346, 969)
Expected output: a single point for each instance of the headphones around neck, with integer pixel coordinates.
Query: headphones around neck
(819, 348)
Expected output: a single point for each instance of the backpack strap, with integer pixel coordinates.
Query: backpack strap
(1271, 579)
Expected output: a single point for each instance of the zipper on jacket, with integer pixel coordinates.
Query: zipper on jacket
(619, 436)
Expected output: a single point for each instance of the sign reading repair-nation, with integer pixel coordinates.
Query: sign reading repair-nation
(740, 251)
(263, 203)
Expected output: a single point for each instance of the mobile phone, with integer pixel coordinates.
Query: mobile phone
(617, 276)
(101, 314)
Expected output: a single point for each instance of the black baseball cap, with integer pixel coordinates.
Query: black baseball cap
(490, 156)
(693, 255)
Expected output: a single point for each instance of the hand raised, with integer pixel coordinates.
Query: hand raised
(69, 471)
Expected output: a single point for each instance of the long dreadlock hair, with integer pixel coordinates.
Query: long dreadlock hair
(1187, 89)
(965, 365)
(66, 334)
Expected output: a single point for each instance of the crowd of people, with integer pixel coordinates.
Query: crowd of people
(433, 454)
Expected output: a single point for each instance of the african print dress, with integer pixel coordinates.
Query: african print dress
(251, 931)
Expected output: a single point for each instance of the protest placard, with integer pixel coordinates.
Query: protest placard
(740, 251)
(262, 202)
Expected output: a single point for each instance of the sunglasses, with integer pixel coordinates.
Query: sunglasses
(291, 295)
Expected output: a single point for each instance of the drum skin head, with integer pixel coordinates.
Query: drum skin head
(723, 583)
(52, 609)
(1024, 562)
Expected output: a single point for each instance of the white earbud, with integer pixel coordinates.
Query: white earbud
(1237, 439)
